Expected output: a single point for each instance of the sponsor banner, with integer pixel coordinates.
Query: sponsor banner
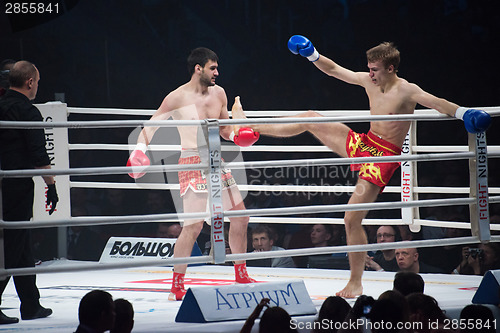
(131, 248)
(237, 301)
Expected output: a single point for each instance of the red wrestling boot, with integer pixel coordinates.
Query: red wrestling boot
(177, 291)
(240, 271)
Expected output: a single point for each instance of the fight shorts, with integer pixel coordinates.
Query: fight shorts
(366, 145)
(197, 180)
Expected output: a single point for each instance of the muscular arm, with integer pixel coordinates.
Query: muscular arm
(163, 113)
(432, 102)
(225, 131)
(329, 67)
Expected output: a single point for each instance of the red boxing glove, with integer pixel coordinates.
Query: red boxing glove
(138, 159)
(246, 137)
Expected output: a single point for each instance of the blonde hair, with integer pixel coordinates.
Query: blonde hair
(385, 52)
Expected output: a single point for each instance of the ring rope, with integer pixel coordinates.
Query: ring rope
(267, 148)
(102, 220)
(358, 248)
(348, 160)
(222, 122)
(100, 170)
(251, 113)
(368, 221)
(281, 188)
(243, 165)
(314, 209)
(248, 256)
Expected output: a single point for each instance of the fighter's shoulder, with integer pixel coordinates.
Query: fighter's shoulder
(219, 91)
(408, 87)
(175, 98)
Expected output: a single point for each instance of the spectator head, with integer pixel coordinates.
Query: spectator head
(5, 67)
(408, 282)
(321, 234)
(97, 310)
(275, 319)
(262, 238)
(387, 233)
(168, 230)
(424, 308)
(477, 313)
(124, 320)
(386, 310)
(334, 309)
(490, 256)
(400, 300)
(407, 259)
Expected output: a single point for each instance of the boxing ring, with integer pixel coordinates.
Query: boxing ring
(63, 282)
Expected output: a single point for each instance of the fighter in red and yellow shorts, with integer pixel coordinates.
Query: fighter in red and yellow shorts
(197, 180)
(366, 145)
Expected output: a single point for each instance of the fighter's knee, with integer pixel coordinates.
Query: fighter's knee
(243, 221)
(193, 229)
(312, 113)
(240, 223)
(311, 127)
(351, 224)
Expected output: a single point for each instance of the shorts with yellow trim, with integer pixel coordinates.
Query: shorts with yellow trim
(367, 145)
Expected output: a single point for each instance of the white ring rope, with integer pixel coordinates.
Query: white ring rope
(492, 110)
(281, 188)
(223, 122)
(266, 148)
(100, 170)
(248, 256)
(102, 220)
(244, 165)
(366, 221)
(315, 209)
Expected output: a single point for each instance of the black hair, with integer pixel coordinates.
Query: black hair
(200, 56)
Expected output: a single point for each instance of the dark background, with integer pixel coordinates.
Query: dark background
(131, 53)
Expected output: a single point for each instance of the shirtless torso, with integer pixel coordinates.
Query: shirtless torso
(188, 102)
(388, 94)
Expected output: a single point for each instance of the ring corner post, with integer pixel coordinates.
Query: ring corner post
(2, 251)
(57, 146)
(215, 192)
(478, 169)
(409, 181)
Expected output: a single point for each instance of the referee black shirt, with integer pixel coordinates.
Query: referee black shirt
(21, 148)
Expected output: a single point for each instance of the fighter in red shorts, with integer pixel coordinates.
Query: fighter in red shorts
(200, 98)
(369, 145)
(388, 94)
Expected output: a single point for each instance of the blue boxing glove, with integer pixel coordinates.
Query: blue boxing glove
(298, 44)
(475, 121)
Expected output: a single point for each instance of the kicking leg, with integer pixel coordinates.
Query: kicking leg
(364, 192)
(332, 135)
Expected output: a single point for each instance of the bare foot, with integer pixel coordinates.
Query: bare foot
(351, 290)
(237, 110)
(237, 113)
